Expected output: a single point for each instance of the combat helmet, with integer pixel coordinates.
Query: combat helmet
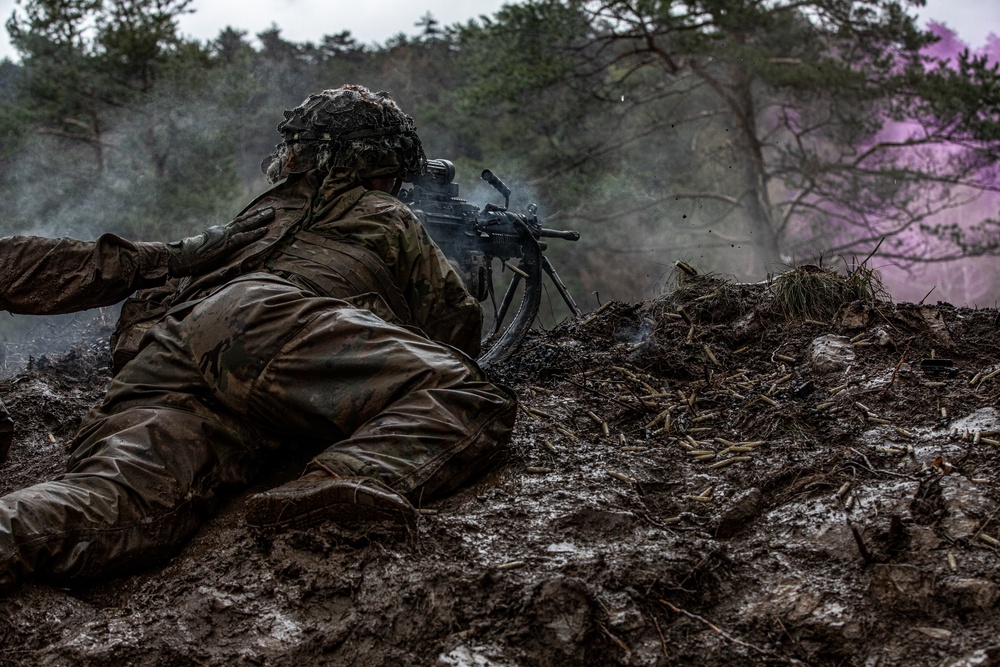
(351, 128)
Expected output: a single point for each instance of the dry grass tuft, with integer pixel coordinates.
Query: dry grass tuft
(705, 297)
(813, 292)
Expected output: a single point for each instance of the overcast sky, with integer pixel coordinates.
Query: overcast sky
(376, 20)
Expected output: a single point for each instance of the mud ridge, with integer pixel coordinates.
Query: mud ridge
(694, 480)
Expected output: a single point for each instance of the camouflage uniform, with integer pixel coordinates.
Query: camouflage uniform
(344, 331)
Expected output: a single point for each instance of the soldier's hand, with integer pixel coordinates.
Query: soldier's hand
(202, 253)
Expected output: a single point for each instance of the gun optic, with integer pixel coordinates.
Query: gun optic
(437, 180)
(439, 174)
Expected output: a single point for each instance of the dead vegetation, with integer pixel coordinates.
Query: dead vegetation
(731, 474)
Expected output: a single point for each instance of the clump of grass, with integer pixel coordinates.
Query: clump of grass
(705, 297)
(816, 293)
(865, 284)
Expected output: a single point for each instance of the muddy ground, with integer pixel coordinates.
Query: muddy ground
(695, 480)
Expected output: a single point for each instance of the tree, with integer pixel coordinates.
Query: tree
(792, 128)
(84, 60)
(121, 124)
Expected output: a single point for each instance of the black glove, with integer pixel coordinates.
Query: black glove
(202, 253)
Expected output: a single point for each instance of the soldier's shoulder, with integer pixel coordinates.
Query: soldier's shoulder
(376, 202)
(282, 195)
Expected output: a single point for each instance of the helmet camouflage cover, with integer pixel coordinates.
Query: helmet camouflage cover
(348, 127)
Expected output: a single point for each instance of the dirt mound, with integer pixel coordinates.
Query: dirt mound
(700, 480)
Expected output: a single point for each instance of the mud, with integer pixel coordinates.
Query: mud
(696, 480)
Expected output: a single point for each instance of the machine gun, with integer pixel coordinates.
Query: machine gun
(478, 241)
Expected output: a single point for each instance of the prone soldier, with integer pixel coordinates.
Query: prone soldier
(340, 330)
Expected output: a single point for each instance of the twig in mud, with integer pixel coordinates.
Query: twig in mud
(979, 533)
(622, 645)
(728, 636)
(872, 470)
(598, 393)
(663, 640)
(894, 372)
(865, 554)
(670, 522)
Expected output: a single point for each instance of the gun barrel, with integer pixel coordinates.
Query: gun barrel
(560, 234)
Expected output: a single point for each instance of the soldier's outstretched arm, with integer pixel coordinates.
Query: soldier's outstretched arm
(43, 276)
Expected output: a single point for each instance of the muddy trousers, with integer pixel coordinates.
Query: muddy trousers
(257, 369)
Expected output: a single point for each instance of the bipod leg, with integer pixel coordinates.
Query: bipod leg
(492, 293)
(508, 297)
(560, 287)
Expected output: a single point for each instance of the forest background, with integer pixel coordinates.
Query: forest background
(741, 136)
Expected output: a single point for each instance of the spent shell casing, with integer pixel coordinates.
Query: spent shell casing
(710, 354)
(729, 461)
(568, 433)
(514, 564)
(992, 541)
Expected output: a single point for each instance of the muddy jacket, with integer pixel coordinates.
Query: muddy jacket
(267, 357)
(41, 276)
(332, 237)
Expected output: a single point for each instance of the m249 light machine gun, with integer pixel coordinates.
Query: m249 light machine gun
(484, 244)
